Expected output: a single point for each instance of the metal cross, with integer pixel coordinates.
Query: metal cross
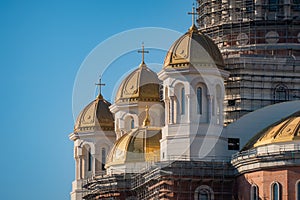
(193, 13)
(100, 84)
(143, 52)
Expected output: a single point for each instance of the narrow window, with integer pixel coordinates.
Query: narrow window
(132, 123)
(182, 101)
(90, 160)
(103, 158)
(275, 191)
(199, 100)
(254, 192)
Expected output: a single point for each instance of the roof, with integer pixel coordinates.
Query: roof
(193, 48)
(140, 85)
(285, 130)
(139, 145)
(95, 116)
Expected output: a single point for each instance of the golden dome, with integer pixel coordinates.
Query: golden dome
(139, 145)
(191, 48)
(285, 130)
(141, 85)
(95, 116)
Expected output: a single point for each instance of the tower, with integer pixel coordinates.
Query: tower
(93, 138)
(193, 92)
(138, 112)
(138, 90)
(260, 44)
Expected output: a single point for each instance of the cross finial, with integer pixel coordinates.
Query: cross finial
(143, 53)
(193, 13)
(100, 84)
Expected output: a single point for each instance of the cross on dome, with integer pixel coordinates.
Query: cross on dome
(193, 13)
(143, 53)
(99, 85)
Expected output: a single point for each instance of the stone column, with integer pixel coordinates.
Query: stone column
(209, 107)
(167, 111)
(189, 111)
(80, 167)
(172, 113)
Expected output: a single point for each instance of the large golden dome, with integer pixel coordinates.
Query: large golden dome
(139, 145)
(95, 116)
(141, 85)
(286, 130)
(193, 48)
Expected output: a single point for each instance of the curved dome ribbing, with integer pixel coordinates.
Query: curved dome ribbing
(286, 130)
(193, 48)
(95, 116)
(141, 85)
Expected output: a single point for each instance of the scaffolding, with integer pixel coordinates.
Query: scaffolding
(260, 43)
(165, 180)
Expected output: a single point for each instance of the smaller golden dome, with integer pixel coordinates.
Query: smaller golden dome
(139, 145)
(141, 85)
(95, 116)
(192, 48)
(286, 130)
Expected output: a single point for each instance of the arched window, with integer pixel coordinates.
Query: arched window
(275, 191)
(281, 94)
(254, 192)
(298, 190)
(182, 101)
(132, 123)
(199, 100)
(203, 195)
(204, 192)
(90, 160)
(103, 158)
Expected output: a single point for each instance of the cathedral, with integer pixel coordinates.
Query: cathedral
(185, 133)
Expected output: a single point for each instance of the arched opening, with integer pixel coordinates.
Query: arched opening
(129, 123)
(199, 100)
(90, 160)
(204, 192)
(132, 123)
(87, 161)
(178, 103)
(281, 94)
(254, 192)
(275, 191)
(103, 158)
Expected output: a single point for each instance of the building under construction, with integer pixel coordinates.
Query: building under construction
(260, 43)
(166, 180)
(174, 146)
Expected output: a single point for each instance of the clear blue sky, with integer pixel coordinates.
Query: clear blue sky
(43, 44)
